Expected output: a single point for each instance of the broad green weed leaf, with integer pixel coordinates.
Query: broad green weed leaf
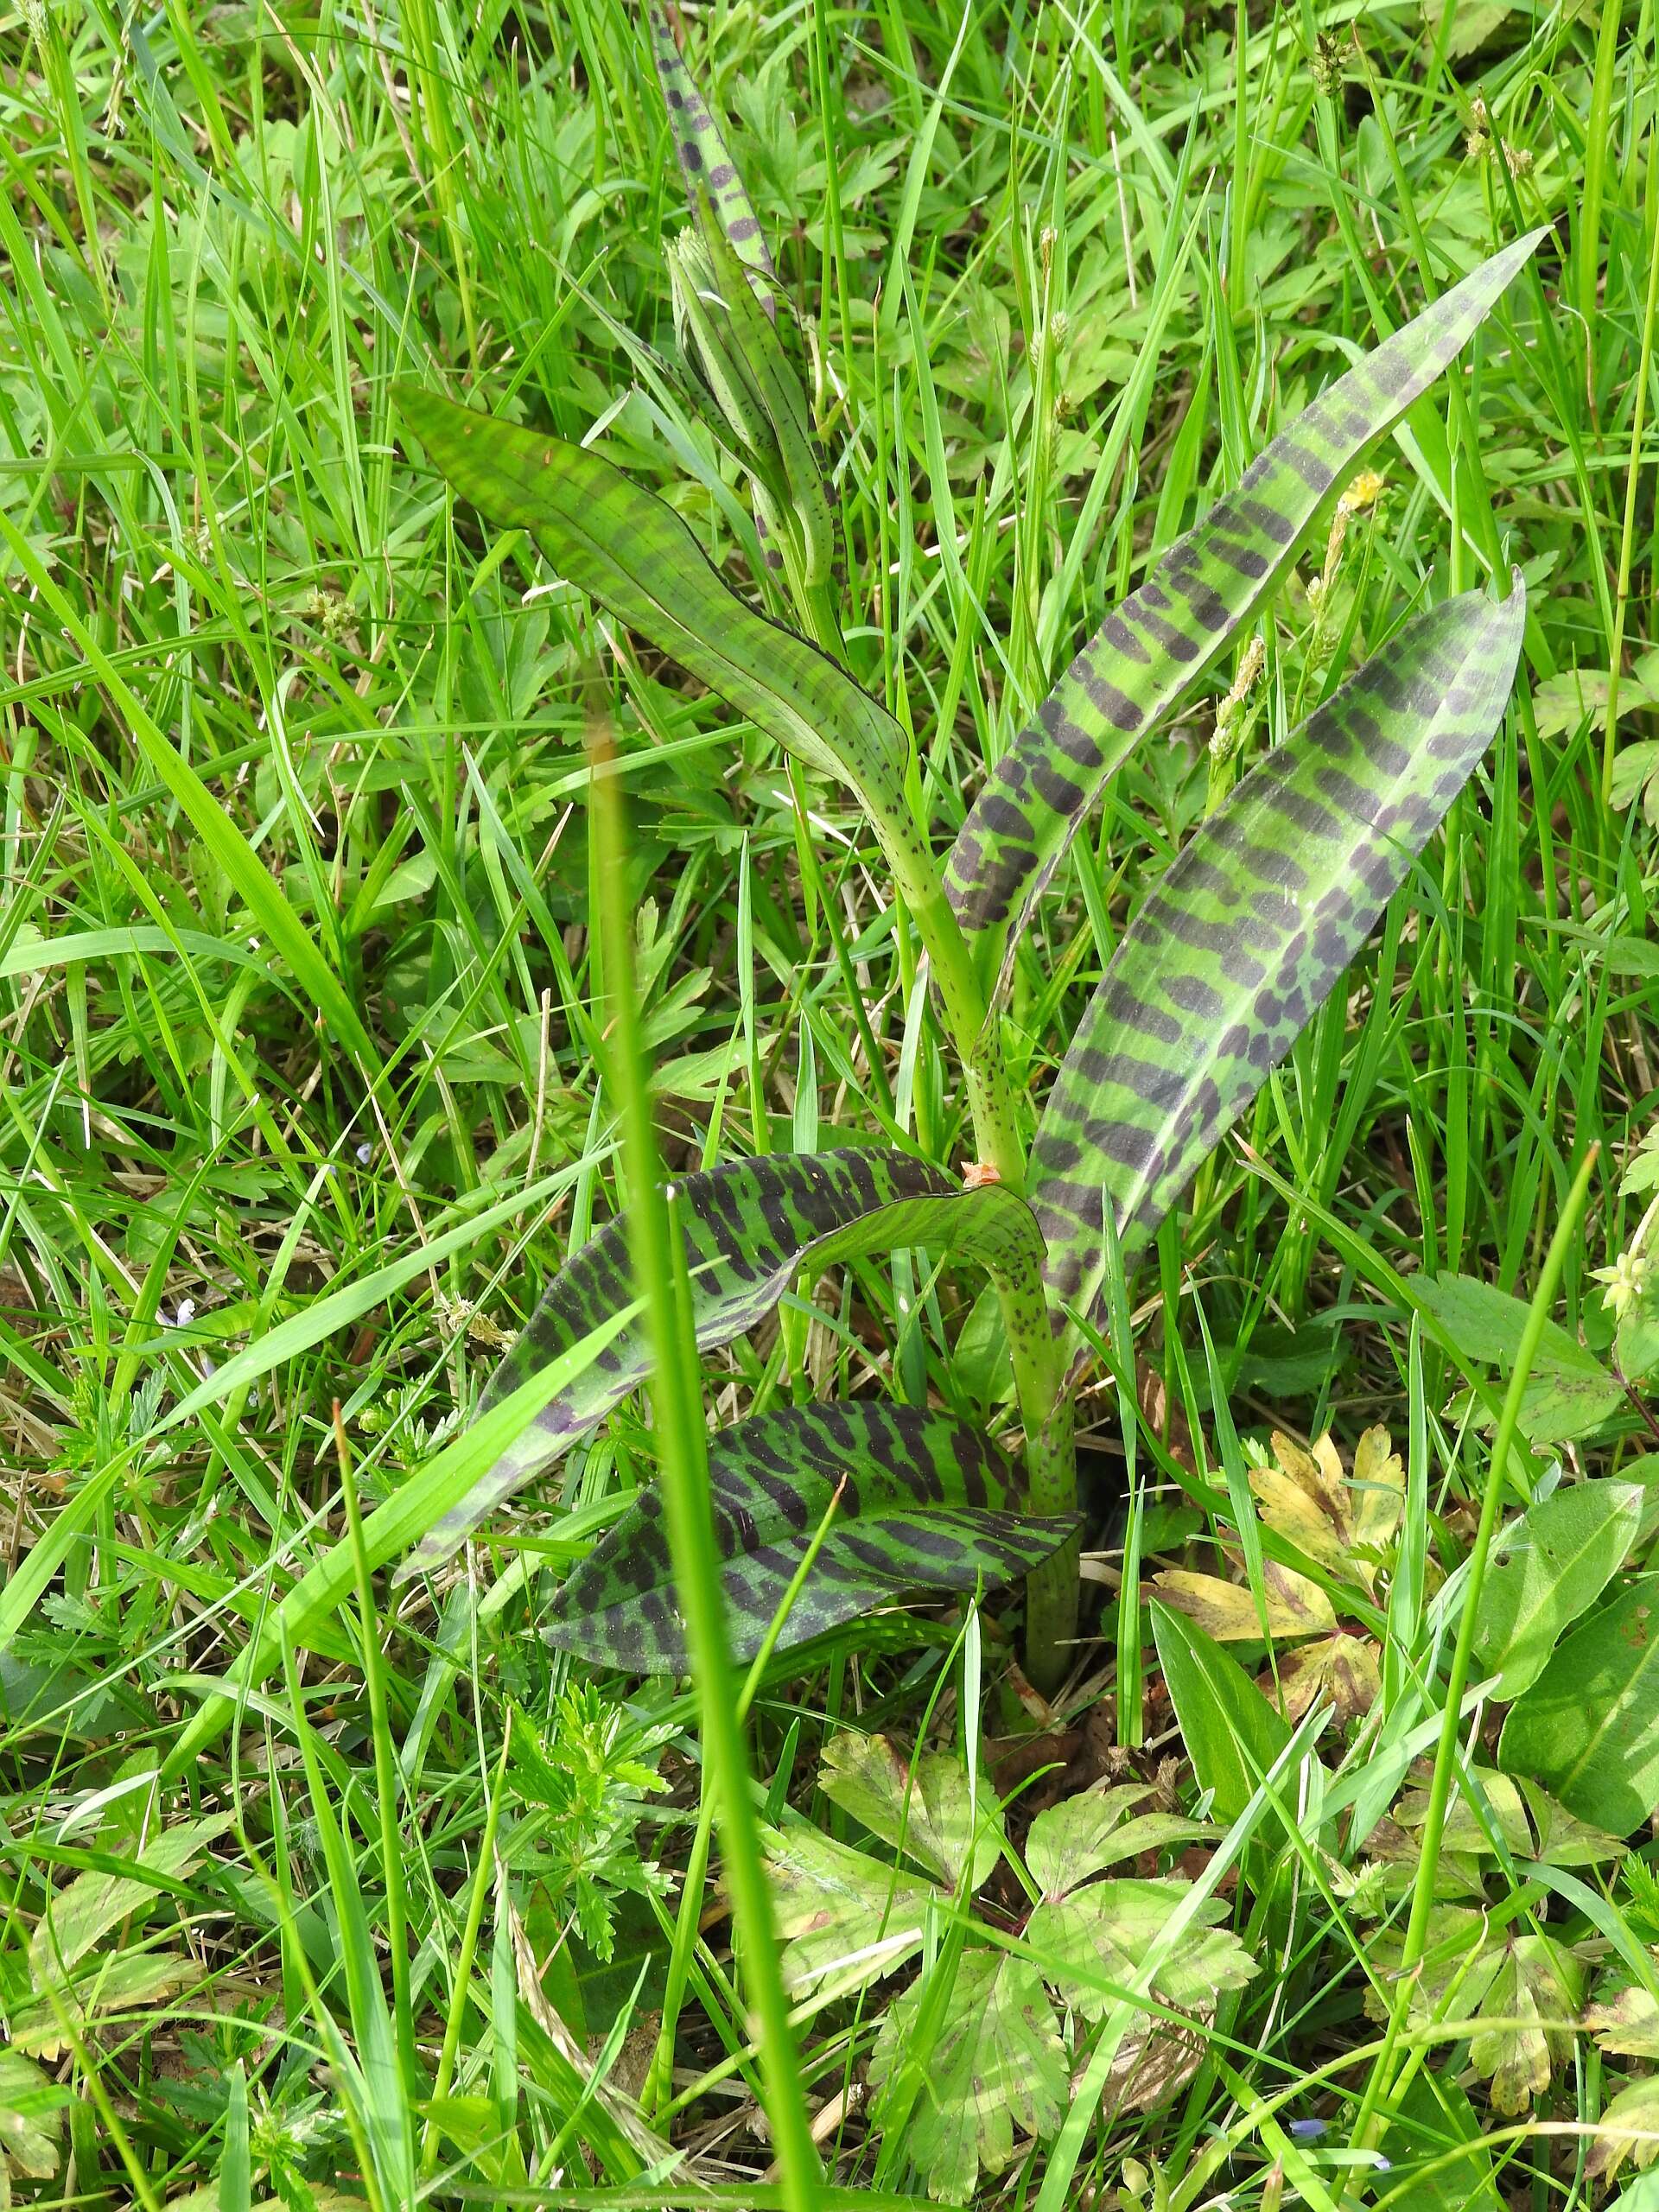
(846, 1919)
(922, 1807)
(1159, 642)
(997, 2064)
(925, 1502)
(1588, 1728)
(750, 1229)
(704, 163)
(631, 552)
(1569, 1393)
(1231, 1733)
(1255, 922)
(1546, 1568)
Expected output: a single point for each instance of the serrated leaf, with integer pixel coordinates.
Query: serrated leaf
(925, 1503)
(1258, 919)
(1626, 2134)
(996, 2064)
(1569, 1392)
(1624, 2019)
(85, 1910)
(750, 1229)
(845, 1918)
(922, 1807)
(100, 1987)
(704, 163)
(1525, 1989)
(1559, 1838)
(1588, 1728)
(1342, 1522)
(1547, 1567)
(631, 552)
(1152, 648)
(31, 2116)
(1107, 1929)
(1564, 704)
(1071, 1842)
(1464, 1830)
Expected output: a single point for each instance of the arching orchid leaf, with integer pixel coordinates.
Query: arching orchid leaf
(925, 1503)
(750, 1229)
(631, 552)
(1206, 587)
(1246, 935)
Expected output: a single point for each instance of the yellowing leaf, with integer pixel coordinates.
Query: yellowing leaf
(1106, 1930)
(1341, 1669)
(1226, 1610)
(1624, 2020)
(1341, 1522)
(1628, 2130)
(1525, 1990)
(1083, 1835)
(1533, 2002)
(31, 2117)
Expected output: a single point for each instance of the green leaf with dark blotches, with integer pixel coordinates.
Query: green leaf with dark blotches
(925, 1503)
(1206, 588)
(705, 164)
(1249, 929)
(750, 1229)
(631, 552)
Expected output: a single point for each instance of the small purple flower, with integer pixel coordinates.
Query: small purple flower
(1308, 2131)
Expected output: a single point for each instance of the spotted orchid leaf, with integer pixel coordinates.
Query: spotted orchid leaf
(920, 1502)
(632, 553)
(704, 163)
(1153, 647)
(750, 1229)
(1251, 928)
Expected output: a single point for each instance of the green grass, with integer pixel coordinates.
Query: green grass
(308, 1079)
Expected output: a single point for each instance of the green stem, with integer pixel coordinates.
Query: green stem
(682, 1437)
(1052, 1592)
(1373, 2112)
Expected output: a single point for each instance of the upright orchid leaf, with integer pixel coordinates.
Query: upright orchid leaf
(629, 551)
(704, 163)
(925, 1503)
(1209, 583)
(750, 1229)
(1246, 935)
